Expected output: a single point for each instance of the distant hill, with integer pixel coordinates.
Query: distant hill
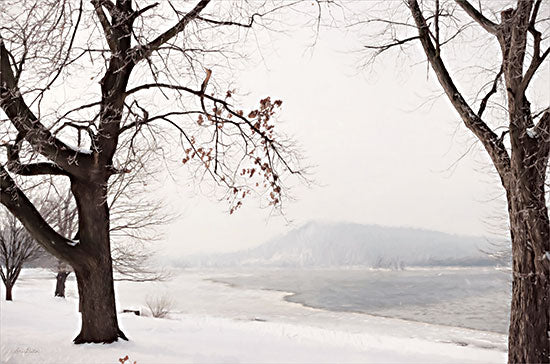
(345, 244)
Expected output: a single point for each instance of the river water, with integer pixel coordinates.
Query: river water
(476, 298)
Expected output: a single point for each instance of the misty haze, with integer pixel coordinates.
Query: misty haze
(209, 181)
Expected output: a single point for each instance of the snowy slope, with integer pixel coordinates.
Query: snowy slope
(344, 244)
(214, 323)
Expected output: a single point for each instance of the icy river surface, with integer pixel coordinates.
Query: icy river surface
(475, 298)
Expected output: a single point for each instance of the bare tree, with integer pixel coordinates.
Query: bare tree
(61, 213)
(141, 54)
(135, 223)
(520, 153)
(16, 248)
(63, 270)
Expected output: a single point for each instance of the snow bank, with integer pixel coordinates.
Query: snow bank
(216, 323)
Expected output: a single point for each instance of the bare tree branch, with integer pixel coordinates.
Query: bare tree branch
(477, 16)
(20, 206)
(107, 28)
(26, 122)
(140, 12)
(491, 92)
(144, 51)
(395, 43)
(489, 139)
(33, 169)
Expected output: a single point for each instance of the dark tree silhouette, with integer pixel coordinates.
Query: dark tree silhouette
(131, 56)
(17, 247)
(520, 32)
(136, 220)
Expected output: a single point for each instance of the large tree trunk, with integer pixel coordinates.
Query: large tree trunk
(61, 278)
(95, 277)
(529, 334)
(8, 292)
(97, 306)
(523, 172)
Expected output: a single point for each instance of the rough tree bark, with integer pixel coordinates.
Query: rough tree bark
(9, 296)
(90, 256)
(529, 334)
(116, 112)
(95, 280)
(522, 172)
(530, 309)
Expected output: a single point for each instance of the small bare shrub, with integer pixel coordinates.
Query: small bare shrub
(160, 307)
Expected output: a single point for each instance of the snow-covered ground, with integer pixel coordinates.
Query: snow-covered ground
(217, 323)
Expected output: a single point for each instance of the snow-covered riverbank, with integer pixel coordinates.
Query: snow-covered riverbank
(217, 323)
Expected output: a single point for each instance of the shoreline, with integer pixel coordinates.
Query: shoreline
(293, 297)
(289, 294)
(214, 322)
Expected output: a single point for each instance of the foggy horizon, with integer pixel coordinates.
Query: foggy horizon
(392, 160)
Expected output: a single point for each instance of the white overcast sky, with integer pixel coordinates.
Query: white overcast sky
(384, 150)
(380, 156)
